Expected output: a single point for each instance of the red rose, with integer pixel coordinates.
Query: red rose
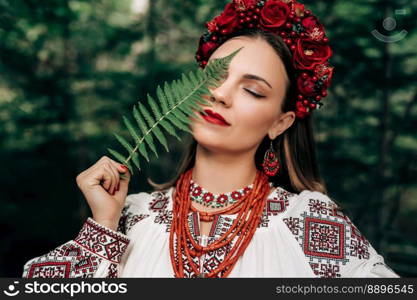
(274, 14)
(313, 28)
(306, 86)
(228, 19)
(310, 53)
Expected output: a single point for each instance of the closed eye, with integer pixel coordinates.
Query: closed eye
(254, 94)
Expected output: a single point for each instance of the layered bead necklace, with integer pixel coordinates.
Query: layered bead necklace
(249, 209)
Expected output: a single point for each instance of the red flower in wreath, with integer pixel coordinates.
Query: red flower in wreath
(274, 14)
(211, 26)
(325, 72)
(313, 27)
(306, 86)
(244, 4)
(246, 189)
(299, 9)
(310, 53)
(208, 197)
(197, 191)
(228, 19)
(307, 42)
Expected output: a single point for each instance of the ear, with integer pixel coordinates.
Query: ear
(283, 121)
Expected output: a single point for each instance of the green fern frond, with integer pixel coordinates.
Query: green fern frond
(176, 103)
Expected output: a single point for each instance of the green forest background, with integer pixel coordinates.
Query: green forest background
(69, 70)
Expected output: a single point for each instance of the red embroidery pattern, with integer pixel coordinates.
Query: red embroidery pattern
(81, 256)
(66, 261)
(128, 219)
(159, 204)
(112, 272)
(215, 257)
(324, 238)
(57, 267)
(328, 237)
(293, 224)
(326, 270)
(212, 258)
(275, 206)
(102, 241)
(317, 206)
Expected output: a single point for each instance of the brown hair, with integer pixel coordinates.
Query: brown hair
(295, 146)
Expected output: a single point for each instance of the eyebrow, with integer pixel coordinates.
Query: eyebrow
(256, 77)
(253, 77)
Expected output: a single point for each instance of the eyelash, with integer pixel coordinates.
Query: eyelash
(254, 94)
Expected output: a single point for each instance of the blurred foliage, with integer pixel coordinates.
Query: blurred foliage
(71, 68)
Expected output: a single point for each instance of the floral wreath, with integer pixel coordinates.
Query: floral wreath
(301, 32)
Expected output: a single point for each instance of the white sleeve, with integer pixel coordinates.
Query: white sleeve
(95, 252)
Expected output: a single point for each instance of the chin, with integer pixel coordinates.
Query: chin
(209, 140)
(211, 136)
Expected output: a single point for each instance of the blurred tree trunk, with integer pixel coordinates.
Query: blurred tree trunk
(151, 33)
(381, 198)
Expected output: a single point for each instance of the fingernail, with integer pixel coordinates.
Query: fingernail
(123, 167)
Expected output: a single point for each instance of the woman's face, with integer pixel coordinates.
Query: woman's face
(250, 117)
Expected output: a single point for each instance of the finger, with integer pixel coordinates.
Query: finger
(116, 176)
(103, 158)
(105, 176)
(124, 183)
(108, 170)
(120, 169)
(126, 173)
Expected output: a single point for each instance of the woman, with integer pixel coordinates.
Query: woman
(248, 200)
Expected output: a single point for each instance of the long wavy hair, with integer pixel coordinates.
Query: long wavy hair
(295, 147)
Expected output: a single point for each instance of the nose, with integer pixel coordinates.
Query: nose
(221, 94)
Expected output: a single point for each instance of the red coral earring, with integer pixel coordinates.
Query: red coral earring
(270, 163)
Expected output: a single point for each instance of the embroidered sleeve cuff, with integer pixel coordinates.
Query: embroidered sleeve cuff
(102, 241)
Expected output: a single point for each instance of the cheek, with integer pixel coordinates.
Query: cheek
(256, 117)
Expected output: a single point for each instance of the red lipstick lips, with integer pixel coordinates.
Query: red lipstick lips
(215, 118)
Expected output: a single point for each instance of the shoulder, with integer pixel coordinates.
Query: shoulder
(332, 244)
(145, 201)
(139, 206)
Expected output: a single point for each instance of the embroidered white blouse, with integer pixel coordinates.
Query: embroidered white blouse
(300, 235)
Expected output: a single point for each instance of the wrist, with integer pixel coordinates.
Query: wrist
(110, 224)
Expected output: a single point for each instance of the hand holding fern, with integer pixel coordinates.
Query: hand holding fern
(105, 190)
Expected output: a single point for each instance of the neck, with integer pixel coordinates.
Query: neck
(223, 172)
